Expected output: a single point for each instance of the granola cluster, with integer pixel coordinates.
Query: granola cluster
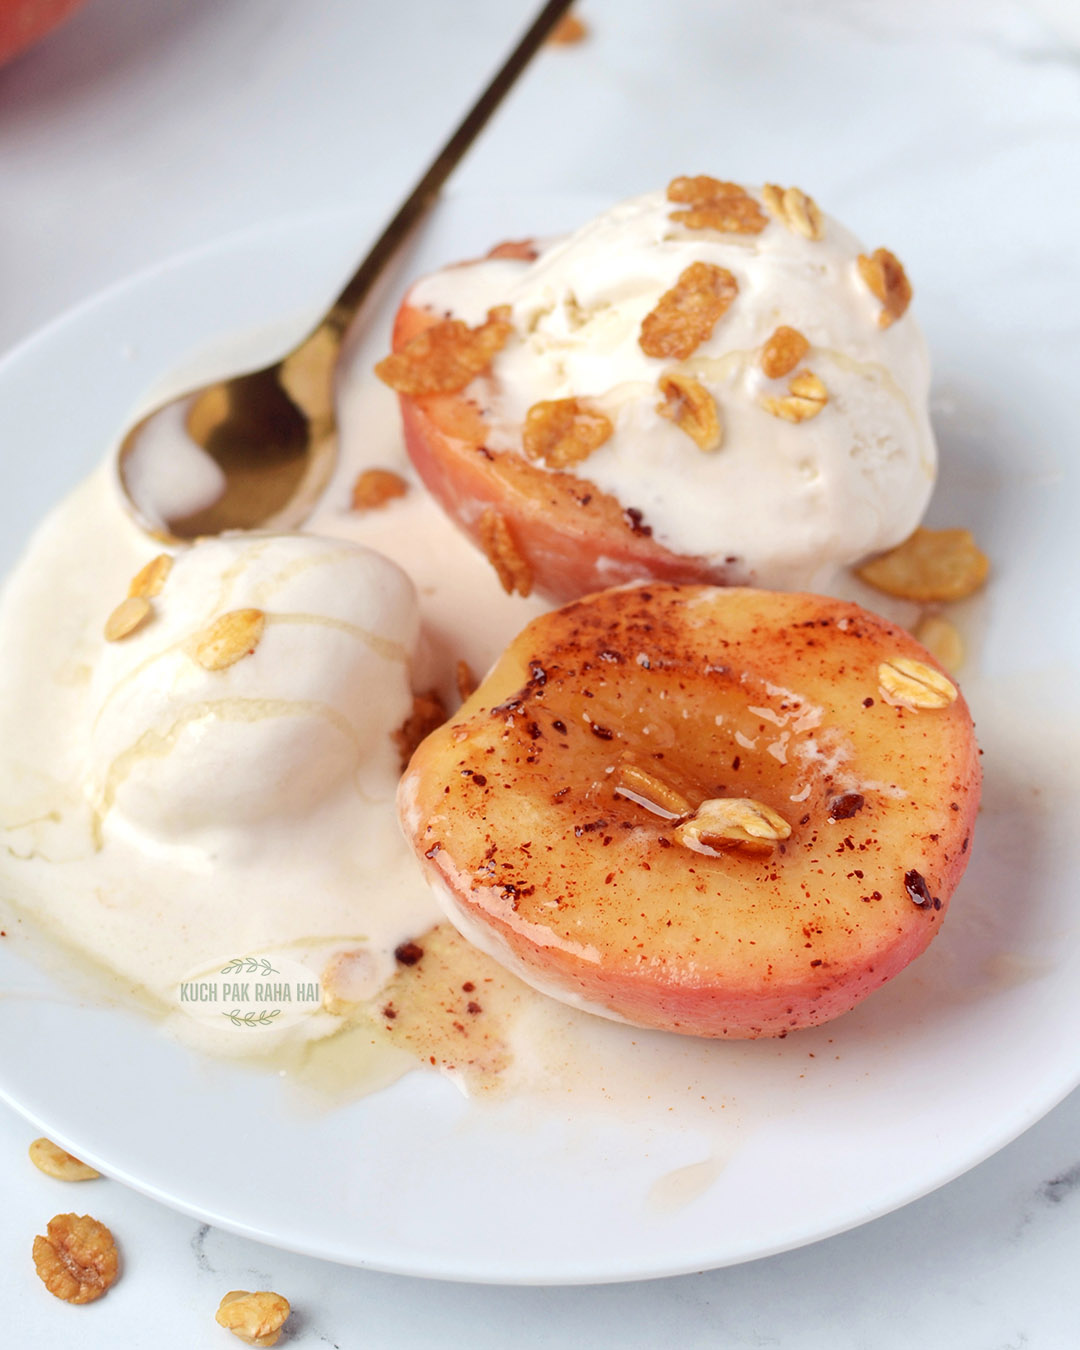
(733, 824)
(942, 640)
(914, 684)
(255, 1318)
(795, 209)
(76, 1258)
(497, 541)
(564, 431)
(569, 31)
(709, 204)
(56, 1162)
(649, 790)
(128, 616)
(375, 487)
(806, 397)
(782, 352)
(446, 357)
(688, 404)
(932, 566)
(884, 273)
(149, 581)
(229, 639)
(716, 825)
(685, 316)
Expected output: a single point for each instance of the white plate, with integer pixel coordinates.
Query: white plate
(795, 1139)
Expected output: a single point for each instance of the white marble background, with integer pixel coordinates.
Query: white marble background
(142, 129)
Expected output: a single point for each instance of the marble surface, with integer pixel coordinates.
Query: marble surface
(141, 130)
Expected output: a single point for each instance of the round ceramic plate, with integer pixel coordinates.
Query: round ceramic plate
(709, 1153)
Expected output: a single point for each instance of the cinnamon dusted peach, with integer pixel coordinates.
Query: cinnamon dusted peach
(723, 812)
(695, 386)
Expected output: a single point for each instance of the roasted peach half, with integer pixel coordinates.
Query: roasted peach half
(717, 811)
(568, 536)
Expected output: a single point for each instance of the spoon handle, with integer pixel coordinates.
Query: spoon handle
(427, 189)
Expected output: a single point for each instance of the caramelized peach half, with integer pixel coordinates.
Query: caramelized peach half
(572, 537)
(718, 811)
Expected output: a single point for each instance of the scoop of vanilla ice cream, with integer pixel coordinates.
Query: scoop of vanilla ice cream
(791, 502)
(190, 755)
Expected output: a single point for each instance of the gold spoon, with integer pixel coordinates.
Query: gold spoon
(263, 445)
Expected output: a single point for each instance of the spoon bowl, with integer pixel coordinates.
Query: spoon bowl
(251, 452)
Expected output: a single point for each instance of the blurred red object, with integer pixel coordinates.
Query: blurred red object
(23, 22)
